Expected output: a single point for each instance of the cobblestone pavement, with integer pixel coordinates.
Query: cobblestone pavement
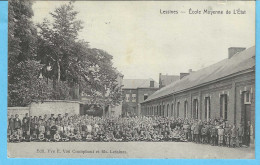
(182, 150)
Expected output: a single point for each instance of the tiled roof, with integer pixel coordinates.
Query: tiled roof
(138, 83)
(239, 62)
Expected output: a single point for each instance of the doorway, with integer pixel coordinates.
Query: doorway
(246, 111)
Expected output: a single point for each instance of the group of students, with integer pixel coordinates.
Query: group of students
(98, 129)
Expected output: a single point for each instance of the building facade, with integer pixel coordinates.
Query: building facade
(134, 92)
(225, 90)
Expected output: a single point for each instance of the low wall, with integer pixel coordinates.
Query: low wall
(116, 111)
(54, 107)
(21, 111)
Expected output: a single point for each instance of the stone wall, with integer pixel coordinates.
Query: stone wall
(115, 111)
(54, 107)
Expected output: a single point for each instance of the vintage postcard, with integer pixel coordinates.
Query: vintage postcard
(131, 79)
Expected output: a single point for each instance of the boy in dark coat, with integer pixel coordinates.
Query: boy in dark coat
(11, 124)
(240, 134)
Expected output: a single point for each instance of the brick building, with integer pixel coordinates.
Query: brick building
(223, 90)
(134, 92)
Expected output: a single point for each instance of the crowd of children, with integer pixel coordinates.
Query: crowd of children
(98, 129)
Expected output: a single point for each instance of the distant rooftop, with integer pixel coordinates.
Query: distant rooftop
(165, 80)
(138, 83)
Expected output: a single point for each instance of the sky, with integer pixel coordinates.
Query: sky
(145, 42)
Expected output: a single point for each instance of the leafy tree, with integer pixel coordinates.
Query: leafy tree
(56, 41)
(88, 69)
(52, 51)
(23, 82)
(21, 32)
(27, 86)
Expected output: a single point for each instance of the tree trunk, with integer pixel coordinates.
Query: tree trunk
(54, 83)
(103, 111)
(58, 65)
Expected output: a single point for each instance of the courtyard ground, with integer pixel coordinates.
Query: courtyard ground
(181, 150)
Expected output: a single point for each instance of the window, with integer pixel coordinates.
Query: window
(223, 106)
(127, 98)
(207, 108)
(145, 96)
(178, 109)
(186, 109)
(133, 97)
(195, 109)
(247, 98)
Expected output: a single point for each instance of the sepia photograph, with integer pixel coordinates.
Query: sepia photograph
(131, 79)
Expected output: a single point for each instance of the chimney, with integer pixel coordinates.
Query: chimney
(183, 75)
(160, 80)
(233, 50)
(151, 84)
(190, 71)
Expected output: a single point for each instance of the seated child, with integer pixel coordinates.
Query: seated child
(135, 135)
(71, 136)
(160, 137)
(118, 136)
(155, 136)
(101, 136)
(34, 136)
(14, 137)
(89, 137)
(27, 137)
(41, 137)
(166, 136)
(48, 136)
(96, 136)
(84, 135)
(129, 136)
(78, 136)
(148, 136)
(57, 137)
(142, 136)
